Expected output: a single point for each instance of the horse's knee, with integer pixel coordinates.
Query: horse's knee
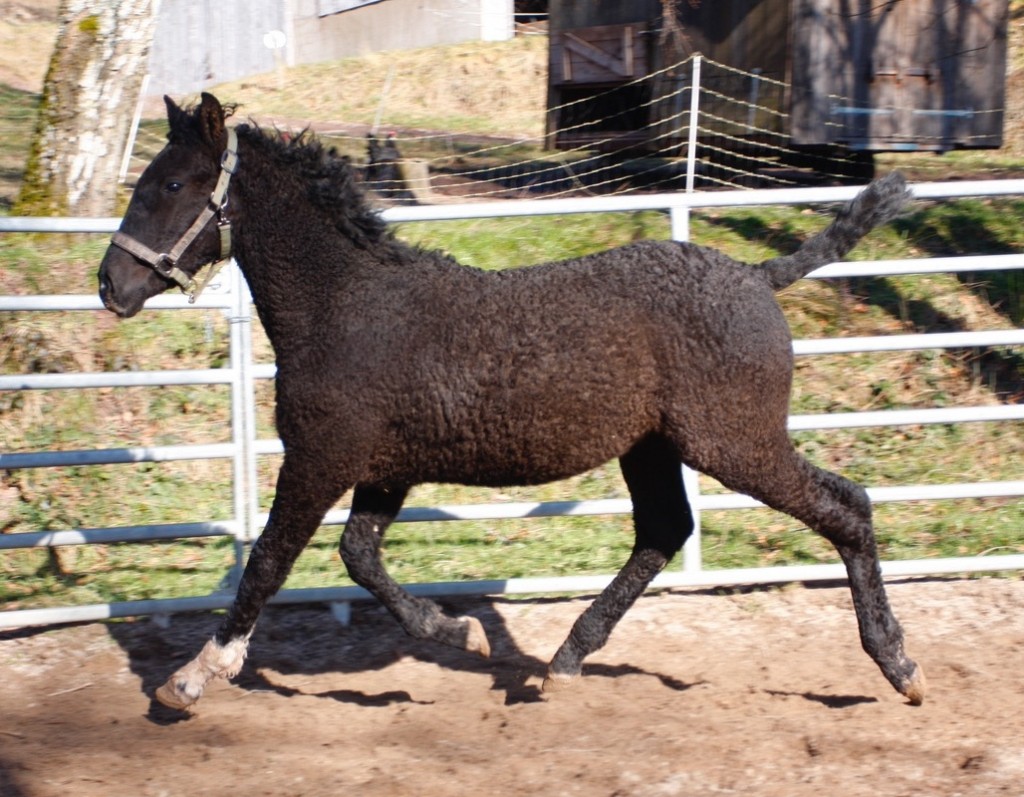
(673, 540)
(359, 549)
(848, 493)
(850, 524)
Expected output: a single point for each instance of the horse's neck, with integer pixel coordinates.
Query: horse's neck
(292, 271)
(287, 299)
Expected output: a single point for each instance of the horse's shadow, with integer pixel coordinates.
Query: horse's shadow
(307, 640)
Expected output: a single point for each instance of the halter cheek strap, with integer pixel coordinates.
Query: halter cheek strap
(165, 263)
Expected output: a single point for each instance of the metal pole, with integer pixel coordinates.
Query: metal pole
(383, 99)
(755, 90)
(133, 131)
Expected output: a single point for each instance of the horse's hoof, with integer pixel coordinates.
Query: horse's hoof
(476, 638)
(558, 682)
(173, 694)
(915, 687)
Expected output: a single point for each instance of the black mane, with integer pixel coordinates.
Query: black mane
(330, 180)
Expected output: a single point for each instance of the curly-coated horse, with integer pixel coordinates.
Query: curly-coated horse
(397, 366)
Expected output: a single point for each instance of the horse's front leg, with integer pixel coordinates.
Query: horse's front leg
(373, 510)
(303, 496)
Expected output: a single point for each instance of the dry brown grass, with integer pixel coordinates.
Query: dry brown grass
(27, 32)
(477, 87)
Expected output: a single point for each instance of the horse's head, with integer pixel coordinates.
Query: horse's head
(174, 222)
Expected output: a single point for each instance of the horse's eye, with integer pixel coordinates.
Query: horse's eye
(173, 187)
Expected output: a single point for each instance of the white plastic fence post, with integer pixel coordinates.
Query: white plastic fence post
(691, 549)
(242, 416)
(133, 131)
(691, 149)
(679, 220)
(680, 216)
(692, 558)
(243, 320)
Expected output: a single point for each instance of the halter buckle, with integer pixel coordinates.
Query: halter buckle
(164, 265)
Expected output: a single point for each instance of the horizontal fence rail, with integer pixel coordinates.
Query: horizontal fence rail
(244, 448)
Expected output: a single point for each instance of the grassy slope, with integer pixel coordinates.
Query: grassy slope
(92, 497)
(26, 33)
(415, 89)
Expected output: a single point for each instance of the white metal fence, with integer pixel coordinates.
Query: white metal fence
(244, 449)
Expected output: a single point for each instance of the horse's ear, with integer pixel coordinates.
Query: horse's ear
(175, 115)
(211, 122)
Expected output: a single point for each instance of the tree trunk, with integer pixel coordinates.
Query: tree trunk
(86, 111)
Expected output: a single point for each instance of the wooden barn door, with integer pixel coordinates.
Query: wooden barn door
(597, 98)
(899, 74)
(601, 54)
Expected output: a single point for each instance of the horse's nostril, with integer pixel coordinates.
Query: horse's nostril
(106, 293)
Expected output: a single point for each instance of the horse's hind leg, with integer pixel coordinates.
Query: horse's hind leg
(663, 521)
(294, 517)
(373, 510)
(840, 511)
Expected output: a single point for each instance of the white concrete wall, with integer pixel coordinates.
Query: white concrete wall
(200, 44)
(395, 25)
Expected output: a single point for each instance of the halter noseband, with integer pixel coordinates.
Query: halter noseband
(165, 263)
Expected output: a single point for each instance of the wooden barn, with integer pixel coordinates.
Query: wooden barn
(861, 75)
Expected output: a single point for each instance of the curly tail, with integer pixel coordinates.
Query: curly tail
(880, 202)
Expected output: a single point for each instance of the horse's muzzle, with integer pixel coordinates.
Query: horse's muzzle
(110, 301)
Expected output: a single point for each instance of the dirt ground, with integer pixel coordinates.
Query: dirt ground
(760, 692)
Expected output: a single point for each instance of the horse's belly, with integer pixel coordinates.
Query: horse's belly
(526, 448)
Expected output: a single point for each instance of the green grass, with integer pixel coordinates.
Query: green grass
(17, 121)
(62, 498)
(114, 495)
(508, 243)
(35, 499)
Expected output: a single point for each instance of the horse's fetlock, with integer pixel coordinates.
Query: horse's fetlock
(186, 686)
(223, 661)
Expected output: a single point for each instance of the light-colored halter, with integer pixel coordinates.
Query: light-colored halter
(165, 263)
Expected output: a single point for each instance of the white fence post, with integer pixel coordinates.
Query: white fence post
(693, 560)
(679, 215)
(243, 415)
(691, 149)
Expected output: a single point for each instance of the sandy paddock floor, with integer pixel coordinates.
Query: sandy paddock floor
(762, 692)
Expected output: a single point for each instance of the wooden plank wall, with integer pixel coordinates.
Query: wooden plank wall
(903, 74)
(868, 74)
